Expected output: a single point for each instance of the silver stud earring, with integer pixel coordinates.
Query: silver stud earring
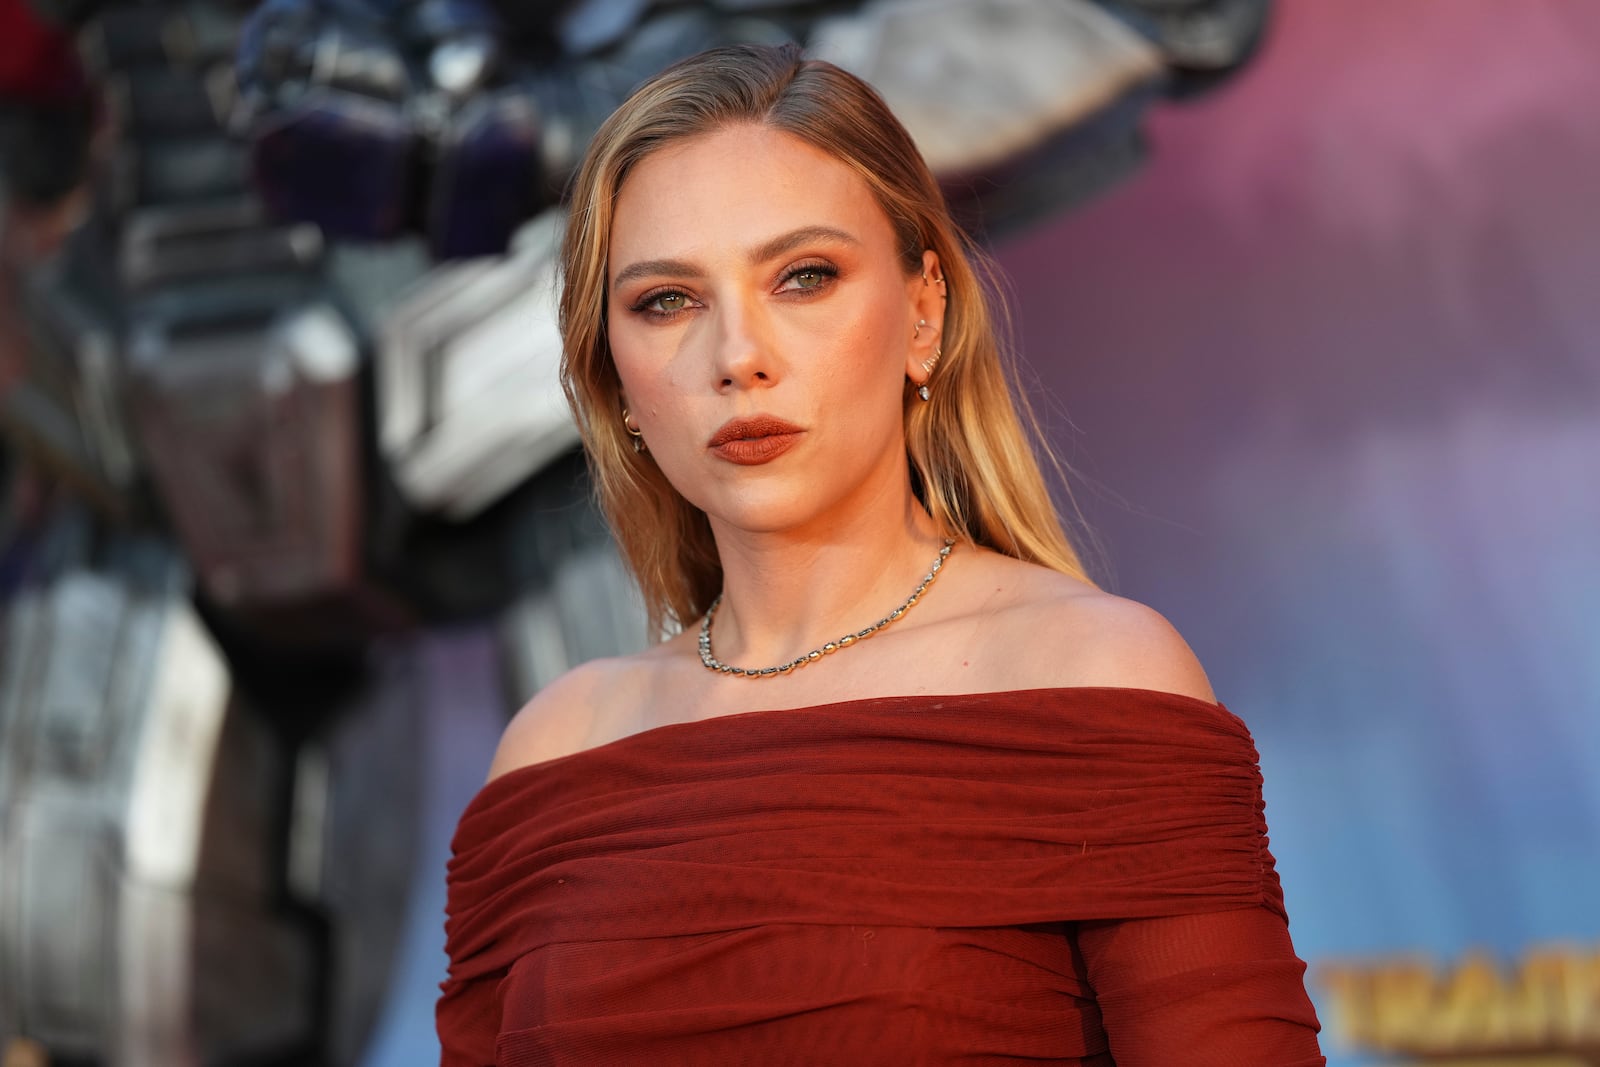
(922, 391)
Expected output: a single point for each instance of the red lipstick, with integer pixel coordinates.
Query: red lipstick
(754, 439)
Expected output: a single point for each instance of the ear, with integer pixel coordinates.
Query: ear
(927, 306)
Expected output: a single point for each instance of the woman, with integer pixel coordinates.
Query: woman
(905, 787)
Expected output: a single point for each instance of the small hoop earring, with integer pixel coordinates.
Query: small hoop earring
(633, 432)
(917, 330)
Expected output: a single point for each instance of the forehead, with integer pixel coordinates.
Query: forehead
(730, 189)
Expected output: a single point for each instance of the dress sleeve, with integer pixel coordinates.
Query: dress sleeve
(1216, 989)
(467, 1017)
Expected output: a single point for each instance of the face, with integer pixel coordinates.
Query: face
(763, 326)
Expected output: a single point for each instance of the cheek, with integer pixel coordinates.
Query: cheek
(653, 389)
(638, 368)
(652, 392)
(872, 345)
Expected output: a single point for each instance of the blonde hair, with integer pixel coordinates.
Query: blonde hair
(969, 447)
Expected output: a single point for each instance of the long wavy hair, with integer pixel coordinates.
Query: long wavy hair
(971, 447)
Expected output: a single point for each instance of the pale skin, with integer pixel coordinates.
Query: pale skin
(752, 274)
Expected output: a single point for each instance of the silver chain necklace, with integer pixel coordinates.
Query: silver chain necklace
(712, 663)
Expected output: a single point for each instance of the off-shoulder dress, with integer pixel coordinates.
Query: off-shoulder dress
(1050, 876)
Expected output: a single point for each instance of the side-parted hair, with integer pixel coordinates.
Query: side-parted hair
(970, 447)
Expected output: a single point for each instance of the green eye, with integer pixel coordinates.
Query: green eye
(672, 301)
(809, 279)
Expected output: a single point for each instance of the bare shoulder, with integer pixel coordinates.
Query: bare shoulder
(563, 716)
(1129, 644)
(1062, 631)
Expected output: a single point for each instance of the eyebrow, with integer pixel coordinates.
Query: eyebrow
(777, 246)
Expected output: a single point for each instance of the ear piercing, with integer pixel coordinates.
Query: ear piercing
(938, 350)
(923, 392)
(927, 366)
(633, 432)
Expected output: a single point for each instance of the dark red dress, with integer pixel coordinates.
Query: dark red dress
(1065, 876)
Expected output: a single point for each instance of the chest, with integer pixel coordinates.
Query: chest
(837, 993)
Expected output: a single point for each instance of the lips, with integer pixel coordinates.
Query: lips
(754, 439)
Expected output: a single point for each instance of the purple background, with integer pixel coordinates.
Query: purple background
(1326, 371)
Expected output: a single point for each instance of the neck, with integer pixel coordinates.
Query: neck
(786, 593)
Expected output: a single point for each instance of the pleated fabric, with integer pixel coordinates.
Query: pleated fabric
(1064, 876)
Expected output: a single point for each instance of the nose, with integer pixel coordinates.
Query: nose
(745, 357)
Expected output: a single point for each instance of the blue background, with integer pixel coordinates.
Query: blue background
(1327, 373)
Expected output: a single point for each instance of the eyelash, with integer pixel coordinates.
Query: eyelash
(642, 305)
(827, 270)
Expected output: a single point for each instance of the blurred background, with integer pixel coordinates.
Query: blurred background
(291, 518)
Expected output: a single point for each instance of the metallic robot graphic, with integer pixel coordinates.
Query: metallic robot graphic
(277, 381)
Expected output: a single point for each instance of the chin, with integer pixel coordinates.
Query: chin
(758, 509)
